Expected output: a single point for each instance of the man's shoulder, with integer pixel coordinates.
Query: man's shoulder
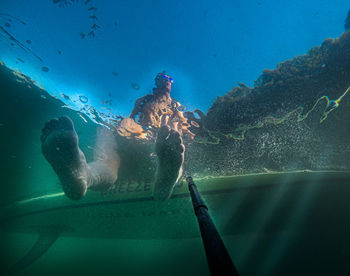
(144, 99)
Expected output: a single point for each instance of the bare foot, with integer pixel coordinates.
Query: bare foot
(170, 152)
(61, 149)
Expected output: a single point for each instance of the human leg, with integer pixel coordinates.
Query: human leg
(170, 151)
(60, 146)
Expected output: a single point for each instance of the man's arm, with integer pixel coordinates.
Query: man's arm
(139, 105)
(137, 108)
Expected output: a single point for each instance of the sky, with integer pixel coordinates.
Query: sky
(207, 46)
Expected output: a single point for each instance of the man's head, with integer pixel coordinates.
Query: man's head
(163, 82)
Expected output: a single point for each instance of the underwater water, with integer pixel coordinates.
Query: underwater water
(265, 89)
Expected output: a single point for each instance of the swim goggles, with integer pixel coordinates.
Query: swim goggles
(168, 78)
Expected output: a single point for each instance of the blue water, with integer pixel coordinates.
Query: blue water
(207, 47)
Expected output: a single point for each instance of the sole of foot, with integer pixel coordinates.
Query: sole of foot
(170, 152)
(60, 146)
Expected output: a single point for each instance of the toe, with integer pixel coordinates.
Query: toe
(175, 141)
(174, 137)
(48, 127)
(163, 133)
(52, 124)
(65, 122)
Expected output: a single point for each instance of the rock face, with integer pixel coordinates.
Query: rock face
(324, 70)
(296, 117)
(347, 22)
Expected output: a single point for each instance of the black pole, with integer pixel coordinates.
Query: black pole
(219, 260)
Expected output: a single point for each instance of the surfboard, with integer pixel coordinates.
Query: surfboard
(255, 203)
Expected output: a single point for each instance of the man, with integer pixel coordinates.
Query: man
(60, 146)
(155, 110)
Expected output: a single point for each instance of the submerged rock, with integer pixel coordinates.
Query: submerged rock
(296, 117)
(324, 70)
(347, 22)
